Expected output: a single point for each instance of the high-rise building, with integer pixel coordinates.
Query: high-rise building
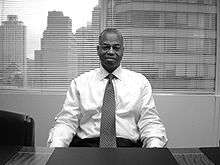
(55, 63)
(12, 52)
(86, 39)
(170, 42)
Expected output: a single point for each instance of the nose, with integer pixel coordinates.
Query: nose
(111, 51)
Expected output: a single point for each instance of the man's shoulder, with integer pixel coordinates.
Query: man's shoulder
(132, 74)
(135, 78)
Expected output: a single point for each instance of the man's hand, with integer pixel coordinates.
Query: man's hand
(153, 142)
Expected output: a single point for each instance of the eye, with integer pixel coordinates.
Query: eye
(108, 47)
(116, 47)
(105, 47)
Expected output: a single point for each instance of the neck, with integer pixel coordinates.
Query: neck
(109, 70)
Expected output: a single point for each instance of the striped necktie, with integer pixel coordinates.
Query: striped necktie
(107, 129)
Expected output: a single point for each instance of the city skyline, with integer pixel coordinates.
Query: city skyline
(172, 45)
(33, 67)
(34, 15)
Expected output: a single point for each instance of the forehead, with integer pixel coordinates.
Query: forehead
(111, 37)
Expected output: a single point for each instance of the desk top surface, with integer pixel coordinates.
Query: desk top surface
(83, 155)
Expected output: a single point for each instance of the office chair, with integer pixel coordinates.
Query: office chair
(16, 129)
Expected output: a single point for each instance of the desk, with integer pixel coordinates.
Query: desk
(66, 156)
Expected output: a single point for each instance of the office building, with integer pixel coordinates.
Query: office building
(86, 39)
(171, 42)
(55, 63)
(12, 52)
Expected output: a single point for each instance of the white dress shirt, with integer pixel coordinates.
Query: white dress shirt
(136, 115)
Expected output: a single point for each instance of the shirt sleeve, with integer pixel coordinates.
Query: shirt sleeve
(152, 130)
(66, 122)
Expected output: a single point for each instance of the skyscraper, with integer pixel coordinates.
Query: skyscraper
(55, 63)
(86, 39)
(12, 52)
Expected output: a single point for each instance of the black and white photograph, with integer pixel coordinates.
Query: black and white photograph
(109, 82)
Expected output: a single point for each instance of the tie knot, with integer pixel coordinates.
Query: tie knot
(110, 76)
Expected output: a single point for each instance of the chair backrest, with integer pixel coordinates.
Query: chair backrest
(16, 129)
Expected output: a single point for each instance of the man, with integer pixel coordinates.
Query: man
(84, 116)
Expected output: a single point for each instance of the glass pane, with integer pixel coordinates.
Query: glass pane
(171, 42)
(45, 43)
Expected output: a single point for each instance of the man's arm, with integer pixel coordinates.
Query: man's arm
(66, 122)
(151, 128)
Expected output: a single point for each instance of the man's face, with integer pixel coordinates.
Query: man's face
(110, 51)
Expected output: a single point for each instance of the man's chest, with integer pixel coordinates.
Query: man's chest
(127, 96)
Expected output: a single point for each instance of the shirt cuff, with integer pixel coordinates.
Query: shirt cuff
(153, 143)
(57, 143)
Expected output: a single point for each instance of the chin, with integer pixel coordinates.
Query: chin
(113, 68)
(110, 66)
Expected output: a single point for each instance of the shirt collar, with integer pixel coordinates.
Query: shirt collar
(103, 73)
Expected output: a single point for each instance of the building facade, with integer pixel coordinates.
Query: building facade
(12, 52)
(171, 42)
(55, 63)
(86, 39)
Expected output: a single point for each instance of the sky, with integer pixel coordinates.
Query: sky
(34, 15)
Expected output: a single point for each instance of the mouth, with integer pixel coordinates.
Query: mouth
(110, 59)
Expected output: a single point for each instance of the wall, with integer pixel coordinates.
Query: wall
(190, 120)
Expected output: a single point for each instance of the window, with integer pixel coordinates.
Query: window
(46, 43)
(175, 42)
